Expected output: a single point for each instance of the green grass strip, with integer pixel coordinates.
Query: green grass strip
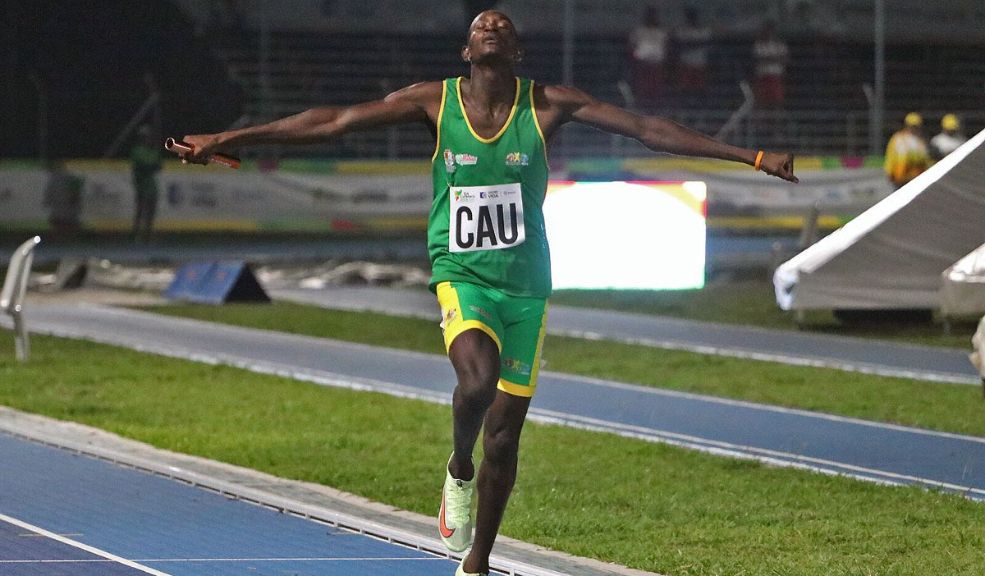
(954, 408)
(649, 506)
(752, 302)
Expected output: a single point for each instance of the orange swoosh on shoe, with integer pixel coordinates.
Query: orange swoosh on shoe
(443, 528)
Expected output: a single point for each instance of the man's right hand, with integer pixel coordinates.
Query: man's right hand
(203, 146)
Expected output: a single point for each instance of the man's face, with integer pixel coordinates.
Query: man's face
(492, 36)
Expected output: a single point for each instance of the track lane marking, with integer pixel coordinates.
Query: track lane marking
(76, 544)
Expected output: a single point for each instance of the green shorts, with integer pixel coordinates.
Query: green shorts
(516, 325)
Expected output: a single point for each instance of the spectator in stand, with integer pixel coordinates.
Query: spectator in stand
(771, 56)
(906, 153)
(648, 57)
(692, 43)
(949, 139)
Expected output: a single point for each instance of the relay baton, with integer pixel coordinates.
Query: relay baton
(179, 147)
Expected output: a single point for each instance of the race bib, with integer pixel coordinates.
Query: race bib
(485, 217)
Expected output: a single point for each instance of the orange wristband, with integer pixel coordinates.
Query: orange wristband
(759, 160)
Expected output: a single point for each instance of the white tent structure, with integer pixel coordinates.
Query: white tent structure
(892, 255)
(963, 286)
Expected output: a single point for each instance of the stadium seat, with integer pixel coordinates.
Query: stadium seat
(12, 295)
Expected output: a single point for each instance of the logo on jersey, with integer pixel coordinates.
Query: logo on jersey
(517, 159)
(465, 159)
(517, 366)
(453, 160)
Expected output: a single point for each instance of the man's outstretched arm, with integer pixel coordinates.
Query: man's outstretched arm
(657, 134)
(417, 103)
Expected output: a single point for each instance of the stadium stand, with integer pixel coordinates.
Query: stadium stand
(826, 112)
(210, 78)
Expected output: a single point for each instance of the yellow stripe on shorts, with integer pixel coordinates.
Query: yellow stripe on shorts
(455, 325)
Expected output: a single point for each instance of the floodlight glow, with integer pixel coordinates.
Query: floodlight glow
(629, 235)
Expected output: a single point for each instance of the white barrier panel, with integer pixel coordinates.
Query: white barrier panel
(325, 195)
(626, 235)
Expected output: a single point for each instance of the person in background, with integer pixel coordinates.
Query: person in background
(771, 56)
(692, 43)
(648, 57)
(906, 153)
(949, 139)
(145, 163)
(977, 355)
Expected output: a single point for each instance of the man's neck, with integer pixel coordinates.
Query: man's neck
(491, 87)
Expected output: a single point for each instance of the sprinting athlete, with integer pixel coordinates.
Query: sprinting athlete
(486, 240)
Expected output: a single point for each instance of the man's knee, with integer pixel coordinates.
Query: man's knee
(476, 360)
(501, 445)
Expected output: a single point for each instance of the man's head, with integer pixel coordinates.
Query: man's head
(768, 30)
(913, 122)
(950, 123)
(691, 17)
(492, 39)
(651, 17)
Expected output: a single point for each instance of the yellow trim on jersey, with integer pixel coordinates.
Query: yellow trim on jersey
(533, 110)
(516, 389)
(461, 104)
(437, 128)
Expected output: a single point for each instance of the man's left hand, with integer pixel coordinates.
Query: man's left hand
(779, 165)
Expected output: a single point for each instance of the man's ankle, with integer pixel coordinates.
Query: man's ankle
(461, 471)
(474, 566)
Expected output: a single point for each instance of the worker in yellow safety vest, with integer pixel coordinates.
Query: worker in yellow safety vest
(906, 153)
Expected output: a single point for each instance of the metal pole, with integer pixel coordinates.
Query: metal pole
(42, 117)
(877, 120)
(567, 61)
(264, 63)
(148, 107)
(568, 50)
(10, 41)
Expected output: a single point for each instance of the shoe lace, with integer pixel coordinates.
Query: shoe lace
(458, 503)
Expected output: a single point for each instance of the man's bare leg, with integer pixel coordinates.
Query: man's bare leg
(475, 358)
(497, 474)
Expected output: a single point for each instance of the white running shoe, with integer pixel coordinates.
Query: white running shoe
(455, 514)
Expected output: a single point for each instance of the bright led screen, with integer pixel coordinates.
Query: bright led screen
(628, 235)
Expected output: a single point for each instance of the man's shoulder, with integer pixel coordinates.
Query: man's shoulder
(419, 92)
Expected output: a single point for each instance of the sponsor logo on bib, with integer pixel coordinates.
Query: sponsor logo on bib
(485, 218)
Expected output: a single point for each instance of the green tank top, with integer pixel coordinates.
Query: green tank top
(486, 224)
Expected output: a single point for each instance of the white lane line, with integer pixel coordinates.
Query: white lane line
(315, 559)
(644, 389)
(303, 559)
(777, 357)
(767, 456)
(81, 546)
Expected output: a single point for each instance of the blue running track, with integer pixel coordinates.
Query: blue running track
(101, 519)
